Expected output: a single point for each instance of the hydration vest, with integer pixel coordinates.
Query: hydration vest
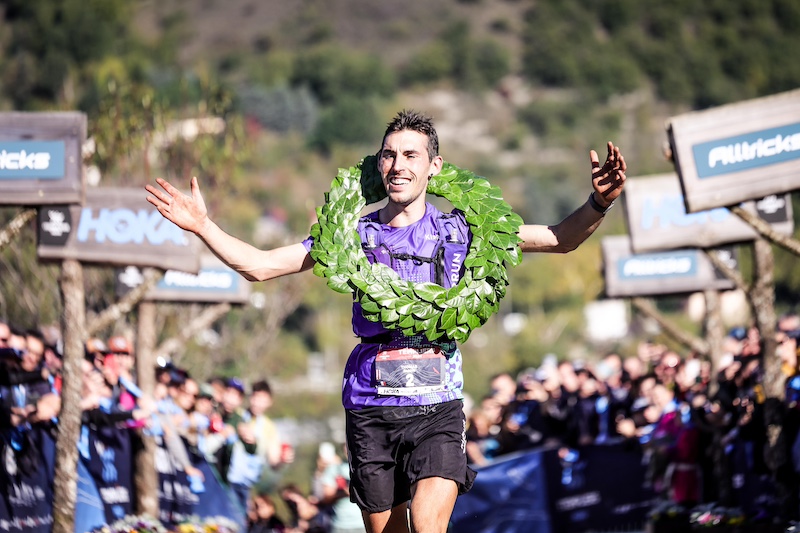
(445, 265)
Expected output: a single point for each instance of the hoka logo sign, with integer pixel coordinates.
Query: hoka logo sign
(125, 226)
(669, 211)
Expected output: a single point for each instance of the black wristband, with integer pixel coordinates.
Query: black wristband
(597, 207)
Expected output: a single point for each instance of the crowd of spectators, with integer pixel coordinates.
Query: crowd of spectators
(221, 420)
(704, 436)
(701, 433)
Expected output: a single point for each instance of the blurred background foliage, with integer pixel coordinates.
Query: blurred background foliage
(520, 92)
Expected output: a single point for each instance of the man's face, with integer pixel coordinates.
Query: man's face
(405, 166)
(188, 394)
(17, 342)
(5, 333)
(260, 401)
(125, 361)
(34, 355)
(232, 399)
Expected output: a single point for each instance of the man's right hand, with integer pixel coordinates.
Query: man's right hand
(187, 212)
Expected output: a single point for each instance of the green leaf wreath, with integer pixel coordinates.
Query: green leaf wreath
(418, 308)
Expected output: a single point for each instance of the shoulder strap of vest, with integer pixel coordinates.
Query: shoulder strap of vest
(448, 226)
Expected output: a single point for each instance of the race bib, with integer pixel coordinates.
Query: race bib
(410, 371)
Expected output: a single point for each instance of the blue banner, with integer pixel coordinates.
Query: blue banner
(596, 488)
(751, 150)
(26, 486)
(509, 496)
(110, 464)
(90, 513)
(217, 499)
(175, 497)
(32, 159)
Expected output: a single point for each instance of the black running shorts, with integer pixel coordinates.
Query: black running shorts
(391, 448)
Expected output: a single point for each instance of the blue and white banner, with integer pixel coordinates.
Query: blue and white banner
(742, 151)
(593, 488)
(41, 161)
(31, 159)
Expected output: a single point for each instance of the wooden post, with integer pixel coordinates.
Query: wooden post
(714, 333)
(73, 323)
(146, 475)
(762, 296)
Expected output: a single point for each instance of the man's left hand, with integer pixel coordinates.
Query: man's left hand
(608, 179)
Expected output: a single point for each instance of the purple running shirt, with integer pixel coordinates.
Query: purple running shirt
(393, 369)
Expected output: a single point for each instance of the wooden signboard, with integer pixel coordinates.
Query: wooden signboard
(733, 153)
(117, 226)
(669, 272)
(40, 158)
(214, 283)
(657, 219)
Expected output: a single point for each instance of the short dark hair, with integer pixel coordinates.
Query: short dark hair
(36, 334)
(261, 386)
(408, 119)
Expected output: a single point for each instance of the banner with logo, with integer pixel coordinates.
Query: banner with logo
(508, 496)
(737, 152)
(26, 497)
(110, 464)
(597, 488)
(89, 510)
(669, 272)
(176, 501)
(116, 226)
(591, 488)
(40, 158)
(216, 282)
(657, 219)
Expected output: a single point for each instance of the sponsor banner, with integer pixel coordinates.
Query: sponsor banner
(176, 501)
(591, 488)
(110, 465)
(117, 226)
(40, 158)
(214, 283)
(668, 272)
(508, 496)
(26, 496)
(597, 488)
(657, 219)
(737, 152)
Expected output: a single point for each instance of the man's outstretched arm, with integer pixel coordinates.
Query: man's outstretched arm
(190, 214)
(607, 182)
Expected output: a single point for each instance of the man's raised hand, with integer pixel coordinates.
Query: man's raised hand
(608, 179)
(187, 212)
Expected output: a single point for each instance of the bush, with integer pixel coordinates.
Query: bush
(350, 121)
(332, 73)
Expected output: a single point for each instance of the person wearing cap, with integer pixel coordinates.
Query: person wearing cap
(95, 351)
(121, 349)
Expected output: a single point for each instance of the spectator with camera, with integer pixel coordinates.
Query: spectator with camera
(258, 445)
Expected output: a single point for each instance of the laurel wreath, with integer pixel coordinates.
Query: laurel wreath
(418, 308)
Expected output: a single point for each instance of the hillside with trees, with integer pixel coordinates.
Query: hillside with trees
(520, 92)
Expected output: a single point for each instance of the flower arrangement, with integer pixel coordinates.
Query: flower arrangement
(667, 517)
(211, 524)
(148, 524)
(712, 516)
(133, 524)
